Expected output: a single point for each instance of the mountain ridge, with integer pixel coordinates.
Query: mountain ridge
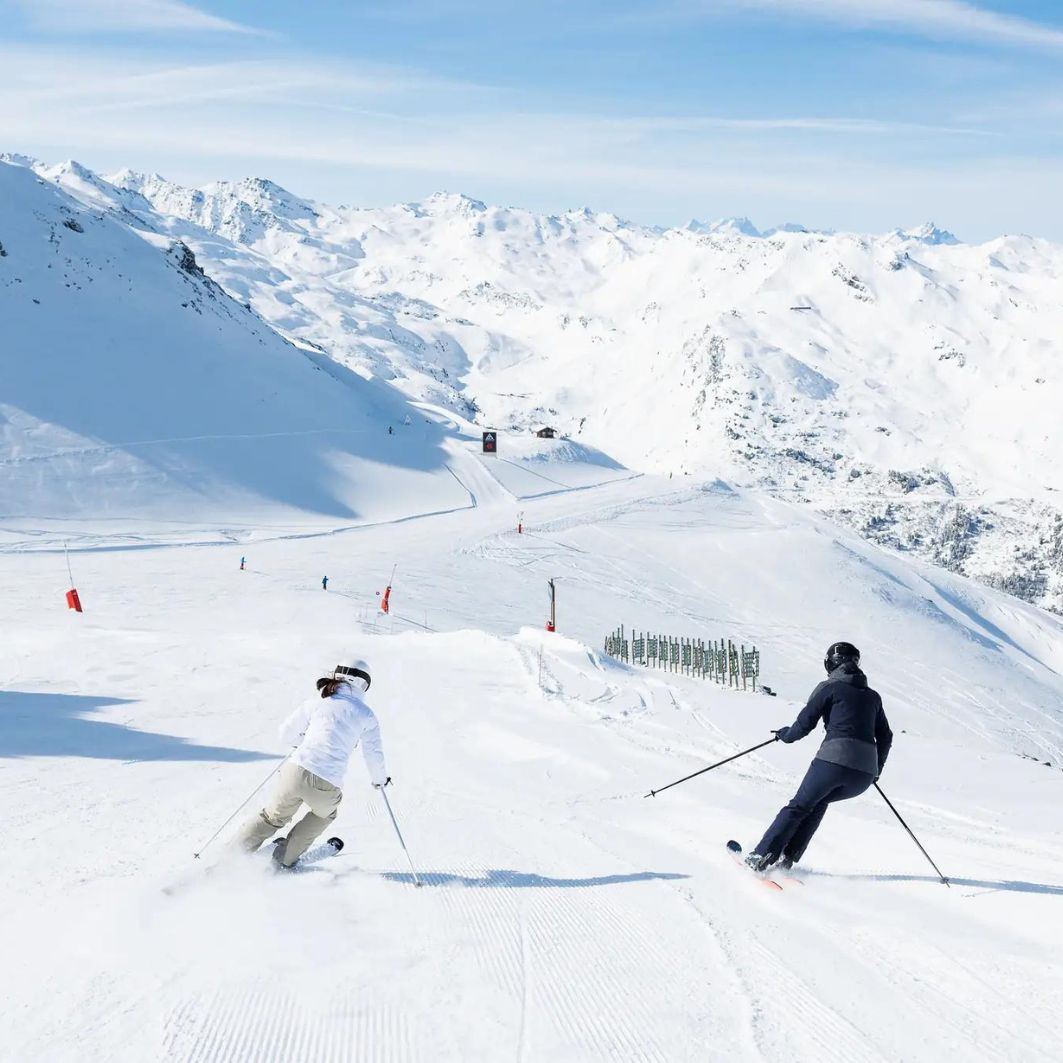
(903, 383)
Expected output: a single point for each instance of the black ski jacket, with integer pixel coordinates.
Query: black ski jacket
(858, 734)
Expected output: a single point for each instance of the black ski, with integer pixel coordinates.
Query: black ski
(330, 848)
(311, 856)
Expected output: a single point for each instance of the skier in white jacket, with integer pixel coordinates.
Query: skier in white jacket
(325, 732)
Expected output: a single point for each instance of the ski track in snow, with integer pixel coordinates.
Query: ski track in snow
(538, 945)
(832, 1037)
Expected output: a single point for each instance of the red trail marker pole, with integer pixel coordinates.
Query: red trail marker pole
(385, 602)
(72, 599)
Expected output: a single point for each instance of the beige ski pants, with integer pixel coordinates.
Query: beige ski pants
(295, 786)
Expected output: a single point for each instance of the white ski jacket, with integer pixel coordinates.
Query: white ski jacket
(325, 732)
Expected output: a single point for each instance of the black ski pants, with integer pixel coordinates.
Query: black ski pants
(823, 784)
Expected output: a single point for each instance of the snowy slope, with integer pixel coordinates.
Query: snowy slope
(133, 386)
(565, 917)
(906, 384)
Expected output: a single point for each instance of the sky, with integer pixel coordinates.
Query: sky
(860, 115)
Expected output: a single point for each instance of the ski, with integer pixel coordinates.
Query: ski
(311, 856)
(735, 851)
(320, 852)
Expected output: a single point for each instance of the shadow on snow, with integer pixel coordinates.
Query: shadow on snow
(60, 725)
(989, 885)
(503, 879)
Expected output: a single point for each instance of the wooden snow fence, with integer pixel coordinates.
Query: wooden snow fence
(727, 663)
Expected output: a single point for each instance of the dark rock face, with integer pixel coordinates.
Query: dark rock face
(186, 260)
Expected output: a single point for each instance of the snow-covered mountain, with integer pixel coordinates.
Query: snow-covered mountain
(134, 386)
(905, 384)
(724, 227)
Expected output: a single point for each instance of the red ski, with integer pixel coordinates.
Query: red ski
(735, 851)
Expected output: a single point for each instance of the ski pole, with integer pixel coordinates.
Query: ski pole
(416, 880)
(203, 847)
(719, 763)
(912, 836)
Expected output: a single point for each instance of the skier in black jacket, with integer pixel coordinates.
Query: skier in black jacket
(850, 759)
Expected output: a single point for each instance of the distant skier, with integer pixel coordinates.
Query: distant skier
(325, 732)
(242, 560)
(850, 759)
(324, 583)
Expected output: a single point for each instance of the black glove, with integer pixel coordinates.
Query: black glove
(381, 785)
(782, 734)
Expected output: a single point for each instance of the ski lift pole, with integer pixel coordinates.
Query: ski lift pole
(718, 764)
(416, 879)
(911, 835)
(203, 847)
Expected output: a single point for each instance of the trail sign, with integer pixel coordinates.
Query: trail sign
(490, 442)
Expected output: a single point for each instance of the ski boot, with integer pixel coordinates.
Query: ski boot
(757, 862)
(279, 845)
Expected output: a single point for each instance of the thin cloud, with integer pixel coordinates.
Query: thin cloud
(950, 19)
(272, 101)
(840, 125)
(356, 127)
(101, 82)
(110, 16)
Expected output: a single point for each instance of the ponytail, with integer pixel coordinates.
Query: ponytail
(330, 685)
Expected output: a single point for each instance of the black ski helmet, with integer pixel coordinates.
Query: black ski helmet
(840, 653)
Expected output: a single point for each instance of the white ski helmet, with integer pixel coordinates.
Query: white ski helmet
(358, 668)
